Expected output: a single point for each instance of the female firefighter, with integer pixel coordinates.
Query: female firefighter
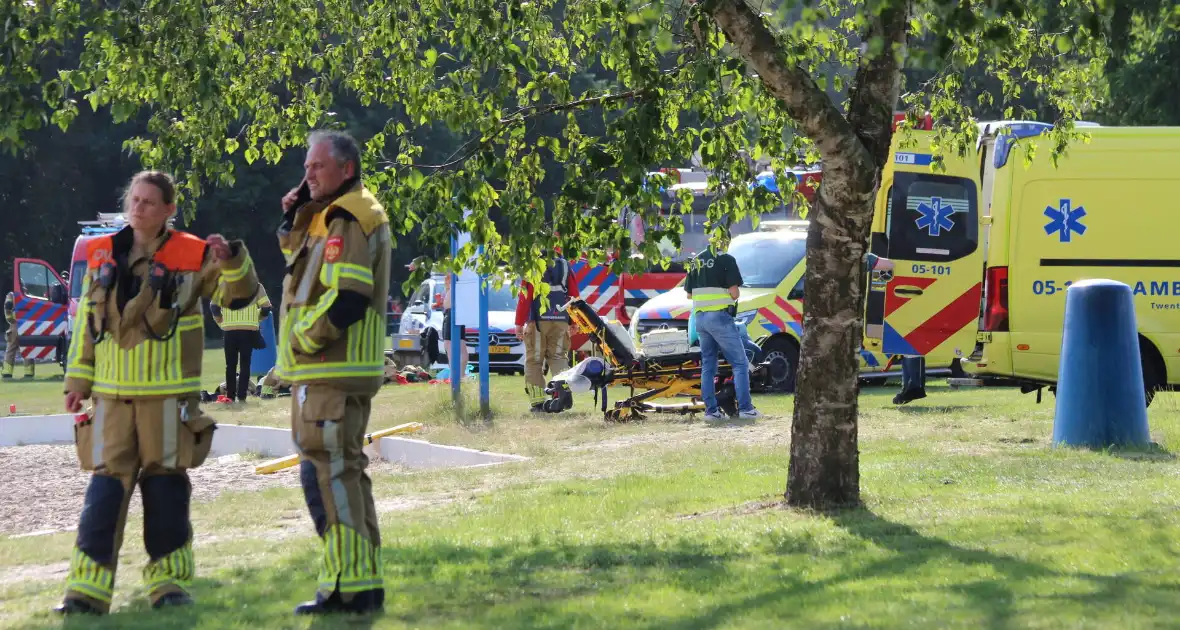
(136, 349)
(242, 337)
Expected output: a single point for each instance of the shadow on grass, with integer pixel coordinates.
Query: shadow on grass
(682, 583)
(1153, 452)
(993, 597)
(920, 409)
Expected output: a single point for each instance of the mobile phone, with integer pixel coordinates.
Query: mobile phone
(303, 195)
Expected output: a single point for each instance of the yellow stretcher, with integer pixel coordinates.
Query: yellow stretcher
(275, 465)
(658, 377)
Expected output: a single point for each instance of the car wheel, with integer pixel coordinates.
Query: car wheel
(783, 357)
(1153, 375)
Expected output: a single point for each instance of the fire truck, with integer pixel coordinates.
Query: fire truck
(46, 300)
(617, 296)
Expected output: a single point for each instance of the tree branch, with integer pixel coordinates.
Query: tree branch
(878, 78)
(805, 102)
(475, 145)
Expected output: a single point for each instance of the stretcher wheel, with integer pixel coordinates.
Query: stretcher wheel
(623, 414)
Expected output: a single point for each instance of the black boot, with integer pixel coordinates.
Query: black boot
(362, 603)
(76, 607)
(171, 600)
(909, 396)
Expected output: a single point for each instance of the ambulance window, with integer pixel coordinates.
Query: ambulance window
(36, 281)
(938, 218)
(797, 292)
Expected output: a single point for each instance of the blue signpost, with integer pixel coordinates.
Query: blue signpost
(484, 378)
(457, 370)
(455, 348)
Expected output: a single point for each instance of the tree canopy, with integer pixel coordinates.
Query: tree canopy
(559, 109)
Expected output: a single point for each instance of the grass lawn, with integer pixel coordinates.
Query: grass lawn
(971, 520)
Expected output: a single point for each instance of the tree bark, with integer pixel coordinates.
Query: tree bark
(824, 466)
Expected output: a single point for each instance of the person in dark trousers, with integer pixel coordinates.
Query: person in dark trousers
(714, 282)
(242, 337)
(913, 369)
(913, 380)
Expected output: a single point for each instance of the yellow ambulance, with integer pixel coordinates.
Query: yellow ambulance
(1020, 237)
(928, 224)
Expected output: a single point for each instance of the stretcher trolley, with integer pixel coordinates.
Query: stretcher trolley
(647, 378)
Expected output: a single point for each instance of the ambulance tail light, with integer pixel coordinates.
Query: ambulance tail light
(995, 313)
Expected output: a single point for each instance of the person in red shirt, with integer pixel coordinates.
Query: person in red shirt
(545, 331)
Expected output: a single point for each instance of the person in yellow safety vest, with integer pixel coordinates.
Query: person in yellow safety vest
(241, 338)
(714, 282)
(136, 349)
(331, 349)
(12, 341)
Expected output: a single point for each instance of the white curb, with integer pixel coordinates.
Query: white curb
(230, 439)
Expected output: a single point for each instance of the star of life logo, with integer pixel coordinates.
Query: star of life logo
(935, 217)
(1065, 220)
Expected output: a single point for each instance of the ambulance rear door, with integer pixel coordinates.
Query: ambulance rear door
(932, 304)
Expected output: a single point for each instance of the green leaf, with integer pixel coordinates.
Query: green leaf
(414, 179)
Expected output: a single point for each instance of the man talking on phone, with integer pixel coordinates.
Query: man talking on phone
(336, 239)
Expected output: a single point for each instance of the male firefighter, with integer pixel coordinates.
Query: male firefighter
(241, 338)
(545, 330)
(714, 283)
(336, 238)
(12, 349)
(136, 348)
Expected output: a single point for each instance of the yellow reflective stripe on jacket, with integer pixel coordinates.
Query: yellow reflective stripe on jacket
(235, 275)
(74, 366)
(241, 318)
(90, 578)
(366, 345)
(365, 356)
(711, 299)
(350, 563)
(306, 321)
(151, 368)
(332, 273)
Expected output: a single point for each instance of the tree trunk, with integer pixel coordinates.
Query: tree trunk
(824, 469)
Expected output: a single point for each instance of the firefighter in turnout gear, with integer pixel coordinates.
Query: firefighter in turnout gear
(12, 339)
(241, 338)
(136, 349)
(336, 238)
(545, 330)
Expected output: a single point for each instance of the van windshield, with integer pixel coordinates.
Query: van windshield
(765, 262)
(501, 300)
(77, 275)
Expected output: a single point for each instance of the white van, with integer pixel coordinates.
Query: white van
(417, 340)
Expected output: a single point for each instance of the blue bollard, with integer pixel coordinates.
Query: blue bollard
(1100, 397)
(263, 360)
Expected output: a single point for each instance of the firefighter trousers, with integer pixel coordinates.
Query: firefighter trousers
(546, 344)
(151, 443)
(239, 348)
(12, 351)
(328, 425)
